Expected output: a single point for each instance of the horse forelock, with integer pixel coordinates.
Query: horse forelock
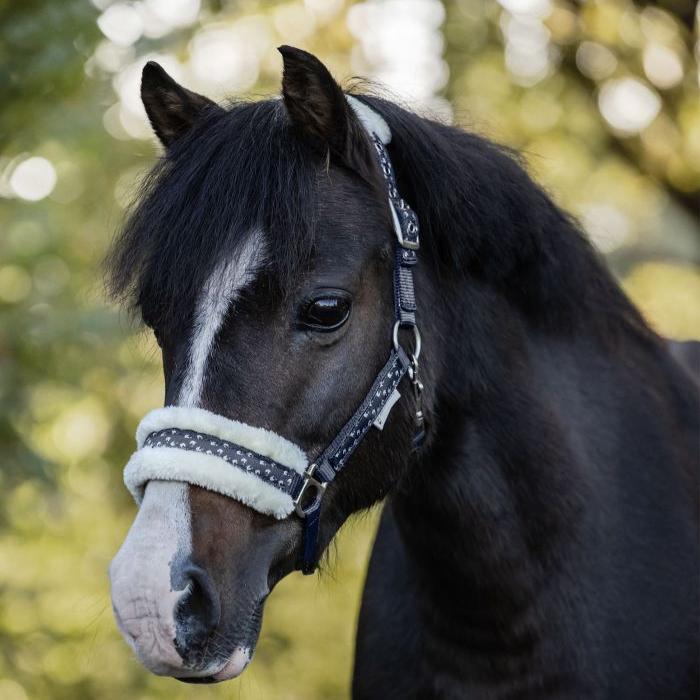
(236, 171)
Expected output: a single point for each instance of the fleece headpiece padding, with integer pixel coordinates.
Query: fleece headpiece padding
(202, 467)
(373, 122)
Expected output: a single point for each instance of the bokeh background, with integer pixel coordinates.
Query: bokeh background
(601, 97)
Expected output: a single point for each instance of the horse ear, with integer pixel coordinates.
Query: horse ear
(317, 106)
(314, 101)
(171, 108)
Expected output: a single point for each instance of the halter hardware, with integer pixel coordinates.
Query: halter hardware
(410, 244)
(419, 419)
(275, 482)
(417, 345)
(309, 483)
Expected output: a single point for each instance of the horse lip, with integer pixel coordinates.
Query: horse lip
(237, 661)
(230, 668)
(235, 665)
(242, 654)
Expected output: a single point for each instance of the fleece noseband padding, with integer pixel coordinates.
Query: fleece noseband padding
(209, 447)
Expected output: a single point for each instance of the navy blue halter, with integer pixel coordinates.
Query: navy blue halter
(307, 489)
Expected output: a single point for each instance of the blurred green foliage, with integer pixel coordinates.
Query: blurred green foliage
(76, 376)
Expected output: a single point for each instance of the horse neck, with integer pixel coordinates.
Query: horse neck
(500, 507)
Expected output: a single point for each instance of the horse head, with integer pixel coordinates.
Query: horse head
(262, 255)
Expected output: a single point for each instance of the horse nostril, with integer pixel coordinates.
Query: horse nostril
(198, 611)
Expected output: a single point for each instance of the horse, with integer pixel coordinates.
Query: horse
(539, 533)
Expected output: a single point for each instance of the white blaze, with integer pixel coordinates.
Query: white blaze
(222, 288)
(142, 596)
(140, 574)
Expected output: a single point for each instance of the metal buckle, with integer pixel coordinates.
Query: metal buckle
(411, 245)
(309, 481)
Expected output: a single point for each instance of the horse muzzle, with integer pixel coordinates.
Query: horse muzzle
(170, 609)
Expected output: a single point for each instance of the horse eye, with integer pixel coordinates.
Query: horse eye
(325, 313)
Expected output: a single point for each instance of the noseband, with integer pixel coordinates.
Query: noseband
(261, 469)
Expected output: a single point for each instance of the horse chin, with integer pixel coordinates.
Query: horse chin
(231, 668)
(236, 664)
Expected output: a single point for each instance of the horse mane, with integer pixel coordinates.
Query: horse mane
(481, 215)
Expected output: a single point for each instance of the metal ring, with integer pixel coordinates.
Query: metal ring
(416, 339)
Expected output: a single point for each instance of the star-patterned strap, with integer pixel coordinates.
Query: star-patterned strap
(278, 475)
(372, 411)
(407, 232)
(406, 223)
(338, 452)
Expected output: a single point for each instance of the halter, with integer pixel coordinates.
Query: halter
(262, 469)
